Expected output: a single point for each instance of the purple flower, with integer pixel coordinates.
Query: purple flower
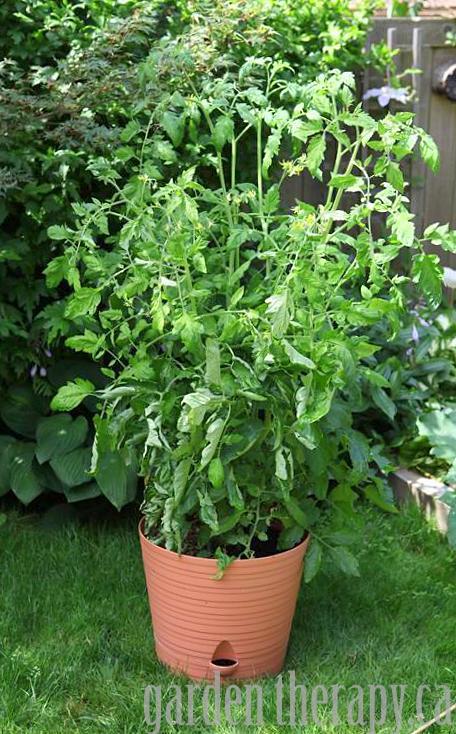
(33, 371)
(386, 94)
(415, 335)
(43, 371)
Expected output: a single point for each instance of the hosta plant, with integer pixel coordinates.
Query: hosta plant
(232, 331)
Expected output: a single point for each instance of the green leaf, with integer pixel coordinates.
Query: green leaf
(312, 561)
(223, 131)
(439, 427)
(87, 342)
(82, 492)
(296, 357)
(181, 478)
(345, 560)
(378, 498)
(344, 181)
(235, 497)
(304, 129)
(428, 273)
(213, 436)
(213, 362)
(208, 513)
(295, 512)
(450, 477)
(59, 435)
(57, 232)
(251, 431)
(375, 378)
(216, 473)
(271, 201)
(384, 402)
(315, 154)
(116, 476)
(56, 271)
(429, 152)
(21, 410)
(72, 394)
(278, 306)
(73, 468)
(289, 537)
(452, 528)
(358, 447)
(6, 453)
(84, 302)
(394, 176)
(24, 482)
(174, 125)
(403, 227)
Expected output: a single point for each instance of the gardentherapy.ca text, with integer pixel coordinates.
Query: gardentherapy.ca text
(291, 703)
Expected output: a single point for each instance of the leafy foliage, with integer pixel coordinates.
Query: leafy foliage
(233, 334)
(71, 99)
(53, 453)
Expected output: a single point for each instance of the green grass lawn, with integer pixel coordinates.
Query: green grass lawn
(76, 646)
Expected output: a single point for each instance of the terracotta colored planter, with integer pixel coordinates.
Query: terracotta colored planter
(238, 625)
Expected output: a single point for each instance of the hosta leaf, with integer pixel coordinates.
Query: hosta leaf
(21, 410)
(82, 492)
(48, 478)
(450, 477)
(116, 477)
(73, 468)
(6, 452)
(452, 528)
(59, 435)
(24, 481)
(439, 427)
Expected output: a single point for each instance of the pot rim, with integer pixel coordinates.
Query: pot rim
(287, 553)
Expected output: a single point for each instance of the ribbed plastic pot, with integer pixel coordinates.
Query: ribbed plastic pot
(238, 625)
